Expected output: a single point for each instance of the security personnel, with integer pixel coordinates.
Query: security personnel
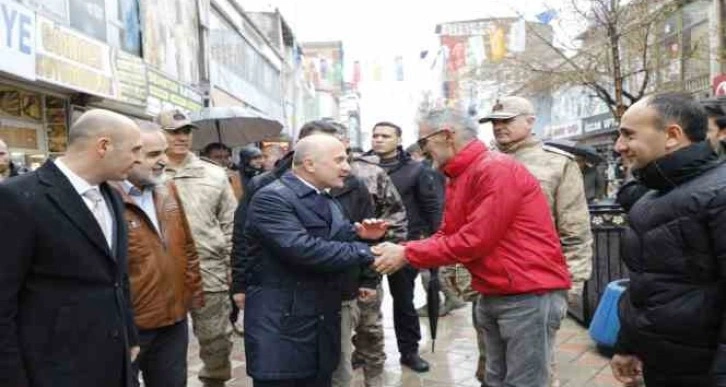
(513, 119)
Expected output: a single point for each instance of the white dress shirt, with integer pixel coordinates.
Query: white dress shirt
(82, 186)
(145, 200)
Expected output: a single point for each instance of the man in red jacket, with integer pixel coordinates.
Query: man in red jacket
(496, 223)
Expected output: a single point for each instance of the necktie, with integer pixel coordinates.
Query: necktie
(94, 195)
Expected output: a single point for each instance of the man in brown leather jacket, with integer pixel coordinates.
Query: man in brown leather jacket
(163, 265)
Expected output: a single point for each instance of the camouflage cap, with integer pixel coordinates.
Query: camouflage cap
(174, 119)
(509, 107)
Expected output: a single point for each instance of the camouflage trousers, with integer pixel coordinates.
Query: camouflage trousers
(343, 375)
(455, 282)
(368, 340)
(214, 331)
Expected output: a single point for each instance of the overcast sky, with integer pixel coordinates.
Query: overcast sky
(376, 31)
(383, 28)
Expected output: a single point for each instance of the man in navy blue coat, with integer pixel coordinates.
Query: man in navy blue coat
(300, 243)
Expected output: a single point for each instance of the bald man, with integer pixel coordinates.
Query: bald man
(300, 244)
(65, 313)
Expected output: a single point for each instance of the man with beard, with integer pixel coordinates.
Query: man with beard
(163, 265)
(672, 315)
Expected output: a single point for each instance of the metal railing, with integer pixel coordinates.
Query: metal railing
(608, 222)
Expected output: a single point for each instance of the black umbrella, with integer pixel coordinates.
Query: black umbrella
(432, 305)
(232, 126)
(589, 153)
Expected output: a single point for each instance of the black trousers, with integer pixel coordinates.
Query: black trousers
(325, 381)
(163, 357)
(405, 318)
(655, 379)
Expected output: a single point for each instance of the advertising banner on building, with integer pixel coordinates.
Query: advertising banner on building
(17, 39)
(130, 75)
(68, 58)
(167, 93)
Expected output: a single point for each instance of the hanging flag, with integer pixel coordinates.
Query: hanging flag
(356, 74)
(547, 16)
(323, 69)
(456, 52)
(498, 43)
(399, 68)
(377, 72)
(475, 53)
(518, 36)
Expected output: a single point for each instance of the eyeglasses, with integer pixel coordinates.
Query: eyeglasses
(423, 141)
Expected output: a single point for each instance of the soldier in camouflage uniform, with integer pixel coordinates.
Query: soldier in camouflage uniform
(209, 203)
(561, 180)
(368, 340)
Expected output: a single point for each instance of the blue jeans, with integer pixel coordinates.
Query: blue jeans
(519, 332)
(163, 357)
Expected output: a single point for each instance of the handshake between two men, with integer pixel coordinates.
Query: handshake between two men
(390, 257)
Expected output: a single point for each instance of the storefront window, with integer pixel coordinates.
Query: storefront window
(32, 124)
(683, 48)
(234, 52)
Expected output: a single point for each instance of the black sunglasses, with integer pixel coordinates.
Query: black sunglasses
(423, 141)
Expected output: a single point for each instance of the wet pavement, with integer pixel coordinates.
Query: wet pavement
(455, 360)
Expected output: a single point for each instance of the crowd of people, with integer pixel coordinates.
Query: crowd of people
(109, 248)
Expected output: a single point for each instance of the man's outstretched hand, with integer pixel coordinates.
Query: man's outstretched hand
(371, 229)
(390, 258)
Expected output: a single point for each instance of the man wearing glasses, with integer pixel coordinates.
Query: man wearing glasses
(497, 223)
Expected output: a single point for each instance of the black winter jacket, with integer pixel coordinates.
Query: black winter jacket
(357, 205)
(672, 316)
(421, 190)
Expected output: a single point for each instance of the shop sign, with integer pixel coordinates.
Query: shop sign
(565, 130)
(600, 122)
(70, 59)
(166, 93)
(130, 75)
(17, 39)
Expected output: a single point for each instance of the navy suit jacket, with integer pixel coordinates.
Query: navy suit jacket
(65, 314)
(294, 277)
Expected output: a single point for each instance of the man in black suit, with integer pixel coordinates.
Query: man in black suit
(300, 245)
(65, 313)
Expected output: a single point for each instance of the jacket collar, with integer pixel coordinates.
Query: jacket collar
(190, 167)
(462, 160)
(65, 197)
(402, 158)
(678, 167)
(283, 165)
(351, 184)
(527, 143)
(296, 185)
